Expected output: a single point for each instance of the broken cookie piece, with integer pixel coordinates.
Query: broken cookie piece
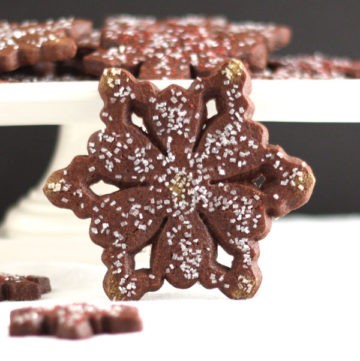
(22, 288)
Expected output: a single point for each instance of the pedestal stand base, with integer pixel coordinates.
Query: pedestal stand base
(34, 216)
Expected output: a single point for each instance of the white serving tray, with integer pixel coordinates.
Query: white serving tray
(324, 101)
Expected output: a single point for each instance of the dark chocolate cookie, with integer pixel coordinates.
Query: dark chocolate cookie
(316, 66)
(188, 183)
(22, 288)
(181, 48)
(74, 321)
(31, 42)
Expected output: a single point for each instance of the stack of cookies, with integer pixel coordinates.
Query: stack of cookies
(173, 48)
(33, 49)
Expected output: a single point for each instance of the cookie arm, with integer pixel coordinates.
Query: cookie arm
(289, 182)
(69, 187)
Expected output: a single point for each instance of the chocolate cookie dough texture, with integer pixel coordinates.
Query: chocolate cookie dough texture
(316, 66)
(188, 183)
(89, 43)
(22, 288)
(32, 42)
(181, 48)
(76, 321)
(173, 48)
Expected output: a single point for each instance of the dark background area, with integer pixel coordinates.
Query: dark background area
(331, 27)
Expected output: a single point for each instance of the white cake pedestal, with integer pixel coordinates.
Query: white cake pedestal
(34, 216)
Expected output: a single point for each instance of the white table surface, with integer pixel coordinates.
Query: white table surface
(307, 307)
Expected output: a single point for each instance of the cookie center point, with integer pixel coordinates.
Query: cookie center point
(234, 70)
(181, 187)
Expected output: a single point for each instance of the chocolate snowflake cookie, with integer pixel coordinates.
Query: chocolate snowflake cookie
(22, 288)
(74, 321)
(31, 42)
(188, 183)
(179, 48)
(315, 66)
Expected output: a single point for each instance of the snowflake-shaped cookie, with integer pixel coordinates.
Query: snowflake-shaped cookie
(32, 42)
(178, 48)
(74, 321)
(188, 183)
